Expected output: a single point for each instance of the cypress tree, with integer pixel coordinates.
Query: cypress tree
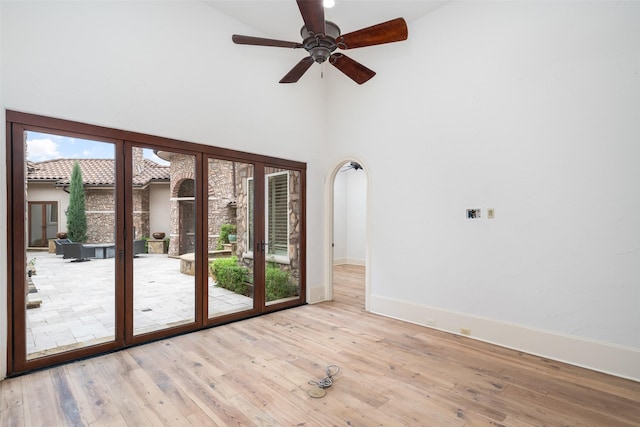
(76, 214)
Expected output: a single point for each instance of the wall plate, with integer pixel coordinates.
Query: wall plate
(474, 213)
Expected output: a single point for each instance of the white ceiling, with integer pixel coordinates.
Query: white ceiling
(280, 19)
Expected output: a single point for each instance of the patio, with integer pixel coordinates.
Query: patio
(78, 301)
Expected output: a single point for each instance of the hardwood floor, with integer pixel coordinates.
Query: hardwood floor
(256, 372)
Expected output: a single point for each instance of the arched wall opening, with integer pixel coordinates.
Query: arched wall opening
(348, 219)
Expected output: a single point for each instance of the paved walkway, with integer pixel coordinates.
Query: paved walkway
(78, 302)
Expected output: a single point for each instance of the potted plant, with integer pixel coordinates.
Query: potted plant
(226, 233)
(31, 267)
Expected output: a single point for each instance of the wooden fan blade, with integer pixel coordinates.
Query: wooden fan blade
(386, 32)
(312, 13)
(297, 71)
(353, 69)
(258, 41)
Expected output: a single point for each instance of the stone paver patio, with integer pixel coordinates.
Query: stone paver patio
(78, 300)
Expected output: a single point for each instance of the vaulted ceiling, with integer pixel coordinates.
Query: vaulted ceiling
(280, 19)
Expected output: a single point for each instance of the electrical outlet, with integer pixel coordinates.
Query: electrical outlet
(491, 213)
(464, 331)
(430, 322)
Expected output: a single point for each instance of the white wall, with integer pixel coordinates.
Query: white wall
(530, 108)
(349, 216)
(167, 69)
(357, 216)
(340, 194)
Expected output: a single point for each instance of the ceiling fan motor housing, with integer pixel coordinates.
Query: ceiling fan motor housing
(320, 46)
(320, 38)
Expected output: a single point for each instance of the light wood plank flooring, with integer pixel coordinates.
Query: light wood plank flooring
(256, 372)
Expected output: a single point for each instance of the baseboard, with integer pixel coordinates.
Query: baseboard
(598, 356)
(316, 295)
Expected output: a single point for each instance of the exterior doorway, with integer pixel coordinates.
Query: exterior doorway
(43, 223)
(186, 216)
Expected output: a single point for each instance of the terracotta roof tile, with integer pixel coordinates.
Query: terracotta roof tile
(151, 171)
(95, 172)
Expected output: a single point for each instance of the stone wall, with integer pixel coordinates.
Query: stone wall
(99, 205)
(181, 216)
(295, 212)
(222, 198)
(243, 172)
(141, 213)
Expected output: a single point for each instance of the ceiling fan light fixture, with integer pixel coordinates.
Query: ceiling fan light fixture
(320, 54)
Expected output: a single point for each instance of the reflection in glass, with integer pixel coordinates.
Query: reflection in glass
(70, 282)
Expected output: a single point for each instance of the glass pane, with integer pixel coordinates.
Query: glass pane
(230, 236)
(36, 233)
(282, 229)
(164, 220)
(70, 235)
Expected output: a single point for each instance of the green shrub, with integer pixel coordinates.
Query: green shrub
(225, 230)
(230, 275)
(146, 244)
(278, 283)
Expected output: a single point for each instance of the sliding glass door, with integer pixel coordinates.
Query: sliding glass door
(120, 238)
(162, 256)
(230, 284)
(69, 252)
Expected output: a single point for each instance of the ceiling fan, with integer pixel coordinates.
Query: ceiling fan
(321, 38)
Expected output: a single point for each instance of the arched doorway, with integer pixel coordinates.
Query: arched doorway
(348, 219)
(186, 217)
